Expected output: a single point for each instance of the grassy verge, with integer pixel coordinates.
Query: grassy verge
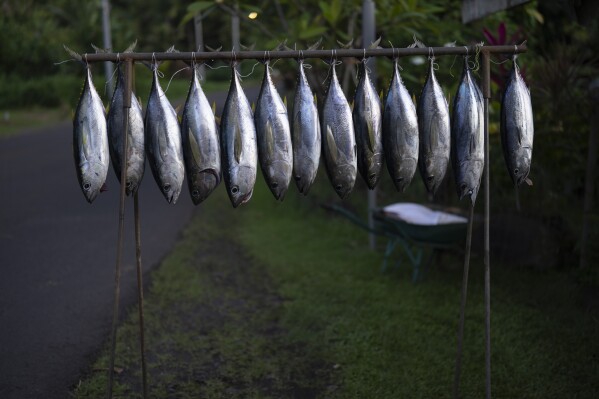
(281, 300)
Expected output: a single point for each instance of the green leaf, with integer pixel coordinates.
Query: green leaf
(312, 31)
(199, 6)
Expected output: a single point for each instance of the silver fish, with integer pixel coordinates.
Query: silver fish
(90, 141)
(163, 142)
(433, 126)
(136, 156)
(274, 138)
(238, 143)
(306, 139)
(368, 128)
(467, 136)
(201, 148)
(517, 127)
(400, 133)
(339, 143)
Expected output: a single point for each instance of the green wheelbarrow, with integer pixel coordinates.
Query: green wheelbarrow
(415, 228)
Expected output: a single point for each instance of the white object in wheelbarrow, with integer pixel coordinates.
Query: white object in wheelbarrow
(419, 214)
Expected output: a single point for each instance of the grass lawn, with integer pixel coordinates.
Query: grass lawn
(283, 300)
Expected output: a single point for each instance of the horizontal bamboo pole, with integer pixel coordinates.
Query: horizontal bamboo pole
(297, 54)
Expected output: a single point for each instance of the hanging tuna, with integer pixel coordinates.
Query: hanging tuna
(368, 128)
(274, 138)
(163, 141)
(467, 136)
(90, 138)
(238, 143)
(199, 136)
(400, 132)
(338, 144)
(517, 127)
(305, 134)
(136, 156)
(433, 125)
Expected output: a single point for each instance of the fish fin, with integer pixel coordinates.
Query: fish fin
(315, 45)
(434, 135)
(381, 95)
(351, 105)
(214, 108)
(131, 47)
(270, 138)
(472, 143)
(371, 138)
(139, 101)
(217, 119)
(315, 100)
(375, 44)
(178, 109)
(332, 145)
(73, 54)
(162, 146)
(253, 107)
(414, 100)
(528, 181)
(99, 49)
(285, 102)
(195, 147)
(346, 45)
(237, 145)
(214, 50)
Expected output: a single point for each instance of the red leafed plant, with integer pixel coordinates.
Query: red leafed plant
(499, 74)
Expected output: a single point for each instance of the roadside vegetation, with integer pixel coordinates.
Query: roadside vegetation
(284, 300)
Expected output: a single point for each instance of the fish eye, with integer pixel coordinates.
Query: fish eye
(463, 186)
(234, 190)
(516, 171)
(166, 187)
(274, 185)
(195, 193)
(399, 179)
(129, 184)
(298, 178)
(430, 178)
(372, 176)
(86, 186)
(338, 187)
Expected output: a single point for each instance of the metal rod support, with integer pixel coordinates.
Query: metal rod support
(487, 258)
(119, 252)
(140, 297)
(323, 54)
(458, 359)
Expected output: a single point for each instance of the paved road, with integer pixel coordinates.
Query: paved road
(57, 256)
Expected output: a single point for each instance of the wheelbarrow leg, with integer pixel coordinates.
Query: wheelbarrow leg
(391, 243)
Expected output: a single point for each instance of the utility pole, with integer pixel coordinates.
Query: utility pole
(107, 42)
(368, 33)
(235, 29)
(199, 37)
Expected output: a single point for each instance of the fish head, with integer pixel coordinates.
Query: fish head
(202, 184)
(302, 180)
(435, 172)
(468, 182)
(520, 166)
(403, 177)
(343, 181)
(93, 176)
(374, 165)
(279, 175)
(241, 185)
(171, 179)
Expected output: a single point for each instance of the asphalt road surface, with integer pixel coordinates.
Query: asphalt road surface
(57, 260)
